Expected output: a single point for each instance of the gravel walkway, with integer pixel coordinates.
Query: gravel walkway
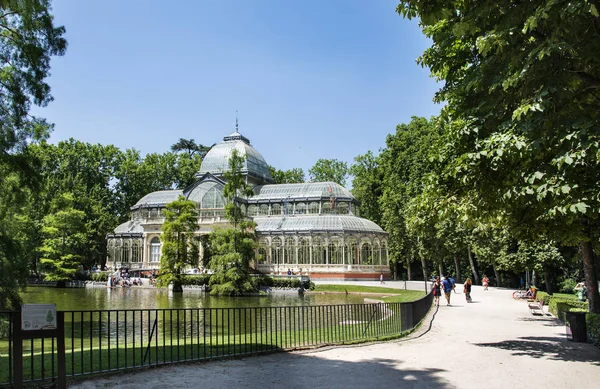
(492, 343)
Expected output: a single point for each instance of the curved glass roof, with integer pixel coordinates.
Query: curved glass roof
(132, 226)
(216, 160)
(300, 191)
(316, 223)
(161, 197)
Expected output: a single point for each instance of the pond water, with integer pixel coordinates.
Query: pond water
(145, 298)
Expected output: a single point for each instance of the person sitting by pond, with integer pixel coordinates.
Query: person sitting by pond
(581, 290)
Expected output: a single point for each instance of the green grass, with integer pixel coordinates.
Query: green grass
(405, 297)
(565, 295)
(360, 289)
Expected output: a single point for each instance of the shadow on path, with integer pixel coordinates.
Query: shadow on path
(553, 348)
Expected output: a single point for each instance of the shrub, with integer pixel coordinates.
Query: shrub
(197, 280)
(277, 282)
(558, 306)
(100, 277)
(568, 285)
(543, 296)
(593, 328)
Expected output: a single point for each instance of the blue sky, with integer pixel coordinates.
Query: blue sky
(311, 79)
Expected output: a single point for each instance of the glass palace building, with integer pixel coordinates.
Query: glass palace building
(310, 228)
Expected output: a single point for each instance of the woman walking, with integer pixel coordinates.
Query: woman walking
(437, 290)
(486, 282)
(467, 290)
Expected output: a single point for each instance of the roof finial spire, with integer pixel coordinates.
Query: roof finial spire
(236, 121)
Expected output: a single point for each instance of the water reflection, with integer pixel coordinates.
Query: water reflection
(138, 298)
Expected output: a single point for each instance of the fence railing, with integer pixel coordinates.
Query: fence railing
(104, 341)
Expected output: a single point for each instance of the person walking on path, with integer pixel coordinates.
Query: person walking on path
(381, 281)
(437, 290)
(467, 290)
(447, 284)
(486, 282)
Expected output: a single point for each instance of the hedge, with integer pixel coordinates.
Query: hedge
(593, 328)
(558, 306)
(258, 281)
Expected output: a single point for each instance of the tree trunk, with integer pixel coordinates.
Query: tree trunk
(396, 270)
(473, 270)
(496, 274)
(457, 266)
(176, 287)
(534, 278)
(424, 266)
(408, 272)
(441, 269)
(548, 279)
(591, 281)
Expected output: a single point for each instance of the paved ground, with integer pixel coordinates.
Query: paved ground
(492, 343)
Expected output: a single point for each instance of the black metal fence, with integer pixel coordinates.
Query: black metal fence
(104, 341)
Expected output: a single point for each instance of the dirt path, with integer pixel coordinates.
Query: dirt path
(493, 343)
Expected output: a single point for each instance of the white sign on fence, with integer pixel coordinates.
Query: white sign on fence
(38, 317)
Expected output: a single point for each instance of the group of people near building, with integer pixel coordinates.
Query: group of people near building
(447, 285)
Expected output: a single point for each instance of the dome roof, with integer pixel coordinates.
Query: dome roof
(216, 160)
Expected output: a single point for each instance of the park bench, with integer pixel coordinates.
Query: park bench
(536, 306)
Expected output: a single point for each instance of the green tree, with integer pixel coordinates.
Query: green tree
(13, 248)
(329, 170)
(406, 162)
(292, 176)
(367, 185)
(28, 38)
(190, 147)
(180, 244)
(232, 249)
(63, 240)
(520, 82)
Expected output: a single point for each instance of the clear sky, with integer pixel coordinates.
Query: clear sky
(311, 79)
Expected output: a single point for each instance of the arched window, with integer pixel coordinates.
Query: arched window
(213, 199)
(125, 252)
(366, 254)
(263, 249)
(319, 252)
(155, 250)
(252, 210)
(243, 209)
(118, 246)
(384, 253)
(351, 254)
(263, 210)
(303, 251)
(326, 208)
(275, 209)
(111, 250)
(301, 208)
(289, 254)
(335, 251)
(276, 251)
(341, 208)
(313, 208)
(376, 253)
(136, 254)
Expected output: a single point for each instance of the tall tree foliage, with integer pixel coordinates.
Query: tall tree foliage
(329, 170)
(406, 162)
(180, 247)
(64, 236)
(28, 38)
(521, 81)
(232, 249)
(292, 176)
(367, 185)
(190, 147)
